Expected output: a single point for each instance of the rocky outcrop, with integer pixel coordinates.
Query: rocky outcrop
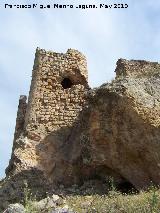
(117, 134)
(53, 204)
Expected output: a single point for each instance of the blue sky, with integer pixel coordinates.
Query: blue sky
(102, 35)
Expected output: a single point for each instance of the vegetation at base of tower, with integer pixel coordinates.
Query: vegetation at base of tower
(112, 202)
(116, 202)
(28, 199)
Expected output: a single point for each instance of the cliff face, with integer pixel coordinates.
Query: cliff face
(117, 134)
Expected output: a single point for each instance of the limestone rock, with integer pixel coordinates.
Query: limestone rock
(119, 131)
(47, 203)
(64, 209)
(15, 208)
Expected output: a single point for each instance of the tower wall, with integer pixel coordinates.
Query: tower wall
(21, 112)
(57, 95)
(50, 105)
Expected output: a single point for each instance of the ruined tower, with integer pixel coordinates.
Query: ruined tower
(67, 134)
(57, 95)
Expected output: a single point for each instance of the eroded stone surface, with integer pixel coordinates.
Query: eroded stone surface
(15, 208)
(119, 133)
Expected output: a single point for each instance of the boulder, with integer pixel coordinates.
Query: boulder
(15, 208)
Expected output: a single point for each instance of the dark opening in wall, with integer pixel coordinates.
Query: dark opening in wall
(66, 83)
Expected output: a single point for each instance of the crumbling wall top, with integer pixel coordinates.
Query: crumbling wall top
(76, 60)
(136, 68)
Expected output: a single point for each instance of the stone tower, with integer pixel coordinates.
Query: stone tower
(56, 97)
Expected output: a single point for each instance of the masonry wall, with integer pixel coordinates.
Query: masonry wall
(50, 106)
(20, 116)
(19, 129)
(53, 105)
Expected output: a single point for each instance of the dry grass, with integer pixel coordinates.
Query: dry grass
(115, 202)
(112, 202)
